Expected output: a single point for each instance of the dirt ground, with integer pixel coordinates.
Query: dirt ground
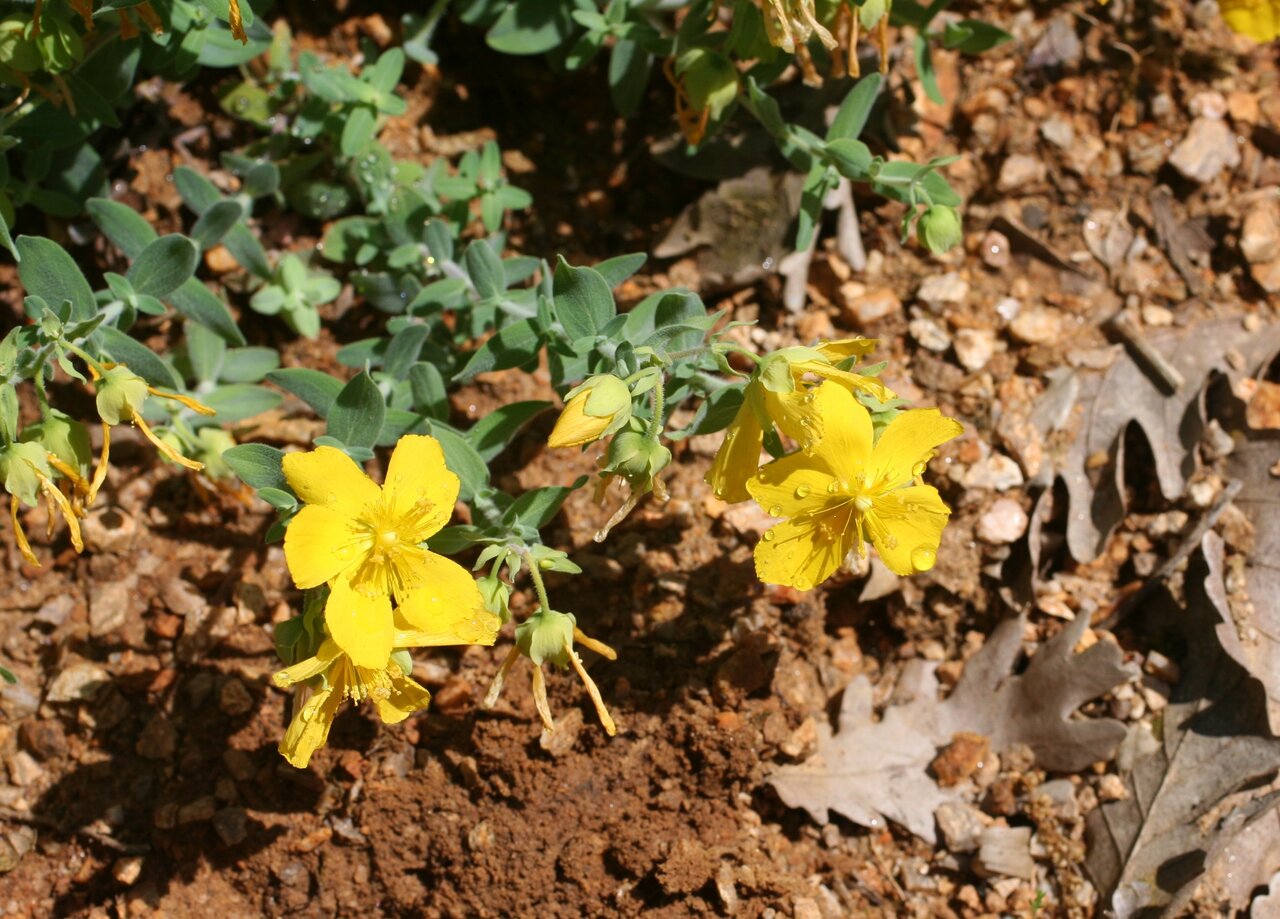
(139, 743)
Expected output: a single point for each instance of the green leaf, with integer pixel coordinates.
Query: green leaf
(137, 357)
(318, 390)
(536, 507)
(511, 346)
(429, 393)
(238, 401)
(358, 130)
(462, 459)
(629, 66)
(924, 67)
(279, 499)
(485, 269)
(454, 539)
(855, 109)
(6, 240)
(215, 222)
(197, 192)
(47, 270)
(617, 269)
(8, 414)
(164, 265)
(583, 298)
(127, 229)
(357, 413)
(246, 250)
(852, 158)
(248, 365)
(7, 676)
(199, 304)
(258, 465)
(972, 36)
(492, 433)
(715, 413)
(205, 353)
(531, 27)
(403, 350)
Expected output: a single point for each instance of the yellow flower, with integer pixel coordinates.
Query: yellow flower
(1258, 19)
(775, 396)
(26, 472)
(848, 492)
(598, 407)
(433, 624)
(364, 541)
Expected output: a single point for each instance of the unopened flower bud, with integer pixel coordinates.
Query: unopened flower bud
(496, 594)
(212, 442)
(939, 228)
(635, 457)
(595, 409)
(66, 438)
(546, 637)
(22, 465)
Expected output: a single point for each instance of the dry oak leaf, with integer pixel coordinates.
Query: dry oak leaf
(1093, 409)
(1193, 784)
(870, 771)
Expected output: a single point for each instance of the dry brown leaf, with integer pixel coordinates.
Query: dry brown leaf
(1189, 785)
(871, 771)
(1104, 403)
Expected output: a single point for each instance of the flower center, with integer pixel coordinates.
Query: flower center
(387, 539)
(862, 503)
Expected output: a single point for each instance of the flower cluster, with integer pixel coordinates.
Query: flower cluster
(387, 592)
(52, 457)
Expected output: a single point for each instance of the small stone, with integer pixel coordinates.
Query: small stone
(1162, 668)
(182, 598)
(127, 870)
(1020, 171)
(803, 740)
(56, 610)
(198, 811)
(1059, 132)
(1036, 326)
(43, 739)
(940, 291)
(806, 908)
(1005, 851)
(230, 824)
(1155, 316)
(23, 769)
(960, 824)
(997, 472)
(1262, 413)
(995, 249)
(862, 308)
(158, 739)
(1209, 147)
(1111, 788)
(80, 682)
(1203, 492)
(234, 698)
(1008, 308)
(1062, 795)
(564, 738)
(109, 529)
(293, 874)
(1004, 523)
(220, 260)
(748, 519)
(1212, 105)
(726, 889)
(974, 347)
(1243, 107)
(480, 837)
(961, 758)
(929, 334)
(1260, 234)
(112, 604)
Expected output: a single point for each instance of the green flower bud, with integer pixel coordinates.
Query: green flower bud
(939, 228)
(121, 395)
(21, 466)
(65, 438)
(496, 594)
(635, 457)
(595, 409)
(546, 636)
(211, 443)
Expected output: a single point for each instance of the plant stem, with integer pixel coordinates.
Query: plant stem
(659, 399)
(536, 575)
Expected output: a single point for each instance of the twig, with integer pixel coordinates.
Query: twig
(1188, 545)
(1145, 354)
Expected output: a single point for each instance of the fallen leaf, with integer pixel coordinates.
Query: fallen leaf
(1107, 402)
(1188, 794)
(871, 771)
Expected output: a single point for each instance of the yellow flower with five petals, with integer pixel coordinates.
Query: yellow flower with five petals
(850, 490)
(776, 395)
(364, 541)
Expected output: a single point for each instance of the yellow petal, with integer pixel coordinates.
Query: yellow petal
(304, 670)
(906, 526)
(1258, 19)
(447, 609)
(360, 625)
(843, 348)
(18, 535)
(795, 415)
(794, 485)
(406, 698)
(328, 477)
(420, 488)
(803, 553)
(320, 544)
(575, 427)
(908, 443)
(236, 23)
(738, 457)
(845, 448)
(854, 382)
(309, 728)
